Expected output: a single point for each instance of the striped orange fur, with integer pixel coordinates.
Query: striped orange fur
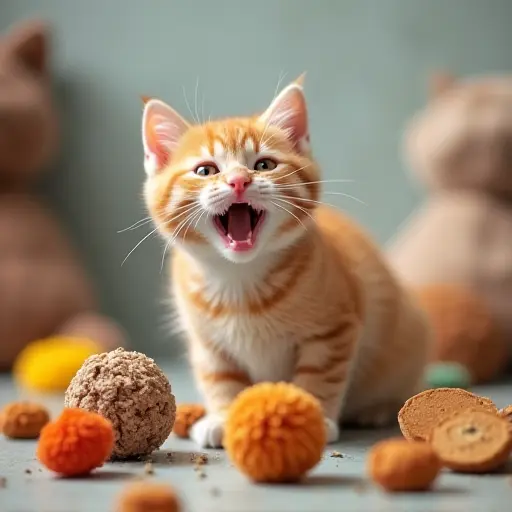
(269, 283)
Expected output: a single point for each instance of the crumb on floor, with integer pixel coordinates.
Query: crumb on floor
(336, 455)
(149, 469)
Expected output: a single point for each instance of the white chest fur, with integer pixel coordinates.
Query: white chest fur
(255, 343)
(259, 343)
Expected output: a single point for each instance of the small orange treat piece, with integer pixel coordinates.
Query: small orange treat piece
(401, 465)
(472, 441)
(148, 497)
(23, 420)
(274, 432)
(421, 413)
(77, 442)
(186, 416)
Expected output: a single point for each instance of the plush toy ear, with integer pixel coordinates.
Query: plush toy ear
(289, 112)
(28, 43)
(162, 127)
(440, 82)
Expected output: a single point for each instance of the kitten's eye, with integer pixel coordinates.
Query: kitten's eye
(206, 170)
(265, 164)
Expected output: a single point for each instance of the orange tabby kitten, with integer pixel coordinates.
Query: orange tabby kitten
(269, 284)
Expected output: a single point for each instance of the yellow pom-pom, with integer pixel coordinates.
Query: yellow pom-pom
(48, 365)
(275, 432)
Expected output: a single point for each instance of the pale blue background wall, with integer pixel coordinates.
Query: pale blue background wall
(367, 62)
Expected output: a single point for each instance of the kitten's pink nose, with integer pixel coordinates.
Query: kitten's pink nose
(239, 180)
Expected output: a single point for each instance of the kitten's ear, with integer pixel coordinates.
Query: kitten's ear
(440, 82)
(162, 127)
(289, 112)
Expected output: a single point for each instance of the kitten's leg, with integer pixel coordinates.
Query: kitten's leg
(322, 369)
(219, 380)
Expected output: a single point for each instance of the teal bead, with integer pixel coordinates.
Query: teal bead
(447, 375)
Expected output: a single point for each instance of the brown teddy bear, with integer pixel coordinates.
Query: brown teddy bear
(457, 249)
(44, 288)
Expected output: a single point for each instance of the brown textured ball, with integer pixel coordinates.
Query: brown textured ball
(421, 413)
(465, 331)
(148, 497)
(130, 390)
(472, 441)
(23, 420)
(400, 465)
(186, 416)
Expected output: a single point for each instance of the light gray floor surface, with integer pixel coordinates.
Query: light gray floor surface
(336, 484)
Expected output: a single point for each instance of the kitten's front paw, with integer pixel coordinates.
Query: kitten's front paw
(333, 430)
(208, 431)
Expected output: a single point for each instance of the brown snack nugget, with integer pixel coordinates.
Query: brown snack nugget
(186, 416)
(421, 413)
(472, 441)
(145, 497)
(23, 420)
(401, 465)
(133, 393)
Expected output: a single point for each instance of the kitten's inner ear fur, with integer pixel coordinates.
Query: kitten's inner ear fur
(162, 128)
(440, 83)
(289, 112)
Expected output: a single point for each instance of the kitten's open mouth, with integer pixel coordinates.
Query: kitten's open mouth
(239, 226)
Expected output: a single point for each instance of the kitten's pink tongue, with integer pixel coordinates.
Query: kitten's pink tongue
(239, 222)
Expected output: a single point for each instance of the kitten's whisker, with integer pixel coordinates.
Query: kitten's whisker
(197, 221)
(293, 172)
(202, 108)
(136, 225)
(290, 213)
(279, 80)
(296, 206)
(195, 101)
(182, 224)
(191, 208)
(188, 105)
(346, 195)
(178, 208)
(317, 202)
(163, 256)
(306, 200)
(196, 214)
(295, 185)
(268, 139)
(140, 242)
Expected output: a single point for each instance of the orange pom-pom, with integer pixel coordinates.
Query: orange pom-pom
(186, 416)
(275, 432)
(77, 442)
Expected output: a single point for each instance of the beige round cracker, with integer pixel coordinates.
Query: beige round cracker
(422, 412)
(473, 441)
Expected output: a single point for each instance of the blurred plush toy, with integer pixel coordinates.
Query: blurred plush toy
(45, 291)
(457, 249)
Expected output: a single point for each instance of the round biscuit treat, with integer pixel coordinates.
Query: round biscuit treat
(421, 413)
(473, 441)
